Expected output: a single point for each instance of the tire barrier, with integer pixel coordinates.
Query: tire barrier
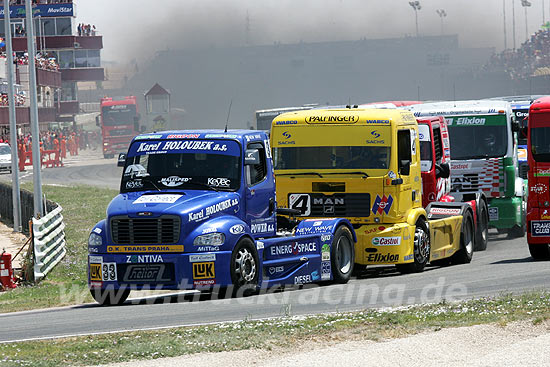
(49, 242)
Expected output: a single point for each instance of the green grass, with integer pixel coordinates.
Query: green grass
(83, 207)
(277, 333)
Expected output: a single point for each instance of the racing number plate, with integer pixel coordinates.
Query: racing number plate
(301, 202)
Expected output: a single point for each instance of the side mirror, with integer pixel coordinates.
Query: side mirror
(515, 126)
(442, 170)
(252, 157)
(405, 167)
(97, 120)
(121, 160)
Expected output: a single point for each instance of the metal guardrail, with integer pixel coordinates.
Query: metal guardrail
(49, 242)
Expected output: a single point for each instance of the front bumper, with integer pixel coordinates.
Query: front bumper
(505, 213)
(159, 271)
(379, 244)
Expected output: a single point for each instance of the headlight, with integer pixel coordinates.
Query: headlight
(95, 240)
(210, 239)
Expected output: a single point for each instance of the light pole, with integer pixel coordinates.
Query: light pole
(504, 16)
(416, 6)
(442, 14)
(526, 4)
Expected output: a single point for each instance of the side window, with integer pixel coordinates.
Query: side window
(404, 151)
(258, 172)
(438, 145)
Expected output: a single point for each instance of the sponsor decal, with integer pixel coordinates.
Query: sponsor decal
(375, 229)
(157, 199)
(259, 245)
(144, 273)
(219, 182)
(208, 248)
(286, 122)
(96, 284)
(183, 136)
(445, 211)
(540, 228)
(261, 228)
(317, 223)
(461, 165)
(470, 121)
(275, 269)
(431, 196)
(144, 259)
(144, 248)
(302, 279)
(539, 188)
(377, 121)
(209, 230)
(134, 184)
(375, 134)
(542, 172)
(212, 209)
(315, 275)
(108, 271)
(408, 257)
(95, 259)
(174, 181)
(326, 237)
(295, 248)
(202, 258)
(145, 137)
(204, 270)
(97, 230)
(236, 229)
(287, 135)
(381, 258)
(325, 252)
(95, 272)
(325, 270)
(382, 204)
(223, 136)
(312, 230)
(204, 282)
(545, 215)
(332, 118)
(493, 214)
(386, 241)
(392, 175)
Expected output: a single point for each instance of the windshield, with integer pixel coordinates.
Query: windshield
(521, 116)
(425, 148)
(351, 157)
(118, 115)
(4, 149)
(182, 165)
(478, 137)
(540, 144)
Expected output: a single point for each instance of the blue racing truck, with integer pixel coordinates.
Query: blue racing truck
(197, 210)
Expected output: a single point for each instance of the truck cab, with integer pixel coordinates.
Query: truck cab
(197, 209)
(365, 165)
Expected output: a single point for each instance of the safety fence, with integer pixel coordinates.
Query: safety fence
(27, 206)
(48, 235)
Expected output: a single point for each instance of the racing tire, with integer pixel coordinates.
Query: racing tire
(244, 268)
(342, 255)
(482, 228)
(108, 297)
(516, 232)
(539, 252)
(422, 249)
(466, 250)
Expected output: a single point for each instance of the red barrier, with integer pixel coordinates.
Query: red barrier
(49, 158)
(6, 272)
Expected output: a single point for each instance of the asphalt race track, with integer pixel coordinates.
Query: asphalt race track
(505, 267)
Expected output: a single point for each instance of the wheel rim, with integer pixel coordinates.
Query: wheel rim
(343, 254)
(484, 227)
(421, 245)
(469, 244)
(245, 266)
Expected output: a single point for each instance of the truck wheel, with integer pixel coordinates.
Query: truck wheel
(539, 252)
(342, 254)
(482, 230)
(422, 250)
(106, 297)
(516, 232)
(464, 254)
(244, 268)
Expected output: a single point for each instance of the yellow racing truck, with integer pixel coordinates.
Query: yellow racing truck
(364, 165)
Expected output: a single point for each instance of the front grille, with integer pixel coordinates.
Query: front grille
(162, 230)
(466, 182)
(523, 170)
(340, 205)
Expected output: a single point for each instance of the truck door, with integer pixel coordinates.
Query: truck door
(404, 191)
(260, 195)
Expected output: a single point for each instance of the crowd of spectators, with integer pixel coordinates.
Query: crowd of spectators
(86, 29)
(22, 2)
(522, 63)
(43, 61)
(20, 98)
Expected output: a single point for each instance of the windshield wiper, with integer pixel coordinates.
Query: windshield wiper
(202, 185)
(149, 180)
(365, 174)
(300, 174)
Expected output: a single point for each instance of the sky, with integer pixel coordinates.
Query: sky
(135, 29)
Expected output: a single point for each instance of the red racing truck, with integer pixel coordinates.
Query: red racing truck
(119, 123)
(538, 157)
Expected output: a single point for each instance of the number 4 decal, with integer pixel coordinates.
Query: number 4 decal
(301, 202)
